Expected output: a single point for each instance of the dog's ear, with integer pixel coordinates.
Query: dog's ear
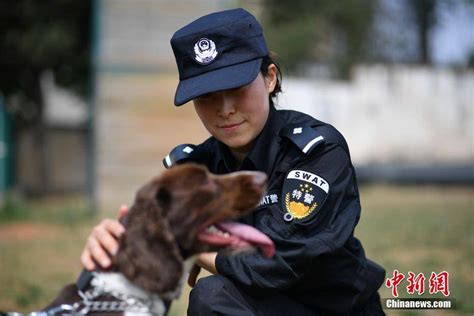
(149, 255)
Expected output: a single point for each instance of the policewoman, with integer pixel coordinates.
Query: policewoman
(312, 205)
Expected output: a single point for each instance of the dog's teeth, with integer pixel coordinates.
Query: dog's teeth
(214, 230)
(211, 229)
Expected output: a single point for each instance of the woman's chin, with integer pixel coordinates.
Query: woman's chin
(241, 144)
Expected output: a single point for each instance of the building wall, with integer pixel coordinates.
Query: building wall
(136, 34)
(136, 127)
(394, 114)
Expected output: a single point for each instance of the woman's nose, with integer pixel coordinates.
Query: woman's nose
(227, 106)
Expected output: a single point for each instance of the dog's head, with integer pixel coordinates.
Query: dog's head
(184, 211)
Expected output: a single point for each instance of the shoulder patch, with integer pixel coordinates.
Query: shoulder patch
(304, 193)
(178, 153)
(304, 136)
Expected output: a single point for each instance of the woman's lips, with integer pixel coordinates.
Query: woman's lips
(231, 127)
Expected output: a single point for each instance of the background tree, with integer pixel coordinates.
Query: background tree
(38, 36)
(325, 32)
(340, 34)
(424, 15)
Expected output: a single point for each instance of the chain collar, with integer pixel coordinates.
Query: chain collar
(140, 302)
(125, 303)
(135, 302)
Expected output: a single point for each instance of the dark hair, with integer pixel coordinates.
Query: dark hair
(267, 61)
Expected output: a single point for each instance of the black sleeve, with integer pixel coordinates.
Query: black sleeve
(301, 242)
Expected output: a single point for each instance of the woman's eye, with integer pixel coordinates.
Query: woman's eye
(205, 97)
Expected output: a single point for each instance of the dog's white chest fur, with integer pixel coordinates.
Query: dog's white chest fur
(116, 283)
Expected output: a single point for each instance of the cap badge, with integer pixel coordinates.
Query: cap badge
(205, 50)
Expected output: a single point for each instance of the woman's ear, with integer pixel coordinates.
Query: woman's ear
(271, 78)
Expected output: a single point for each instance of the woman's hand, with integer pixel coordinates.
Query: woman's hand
(102, 243)
(207, 260)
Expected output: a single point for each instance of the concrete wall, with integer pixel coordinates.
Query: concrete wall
(136, 127)
(136, 34)
(394, 114)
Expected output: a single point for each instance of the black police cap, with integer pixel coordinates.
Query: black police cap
(219, 51)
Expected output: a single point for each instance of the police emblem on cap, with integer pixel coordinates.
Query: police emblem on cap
(205, 50)
(303, 193)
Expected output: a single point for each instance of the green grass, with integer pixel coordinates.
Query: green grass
(40, 243)
(419, 229)
(422, 229)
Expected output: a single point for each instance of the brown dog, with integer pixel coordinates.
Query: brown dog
(178, 214)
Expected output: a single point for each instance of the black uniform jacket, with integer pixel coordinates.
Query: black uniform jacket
(310, 212)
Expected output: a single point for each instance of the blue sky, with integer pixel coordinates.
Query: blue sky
(453, 37)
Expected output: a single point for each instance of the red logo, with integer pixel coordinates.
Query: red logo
(394, 282)
(438, 283)
(416, 283)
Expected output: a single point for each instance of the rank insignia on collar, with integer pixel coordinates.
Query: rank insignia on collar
(303, 193)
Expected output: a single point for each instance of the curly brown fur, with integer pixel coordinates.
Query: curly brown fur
(163, 224)
(167, 215)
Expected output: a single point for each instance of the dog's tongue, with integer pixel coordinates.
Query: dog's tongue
(247, 235)
(240, 236)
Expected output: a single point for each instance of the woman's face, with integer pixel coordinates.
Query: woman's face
(236, 116)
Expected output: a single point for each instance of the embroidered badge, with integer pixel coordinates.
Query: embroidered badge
(269, 199)
(303, 193)
(205, 50)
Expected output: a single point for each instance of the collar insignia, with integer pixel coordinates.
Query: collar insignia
(297, 130)
(205, 50)
(188, 150)
(303, 193)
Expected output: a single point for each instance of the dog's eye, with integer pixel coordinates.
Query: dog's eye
(163, 197)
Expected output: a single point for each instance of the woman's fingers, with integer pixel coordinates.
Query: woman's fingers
(106, 235)
(193, 274)
(101, 244)
(98, 253)
(123, 210)
(111, 226)
(87, 261)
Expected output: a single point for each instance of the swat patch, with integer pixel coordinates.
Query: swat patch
(303, 194)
